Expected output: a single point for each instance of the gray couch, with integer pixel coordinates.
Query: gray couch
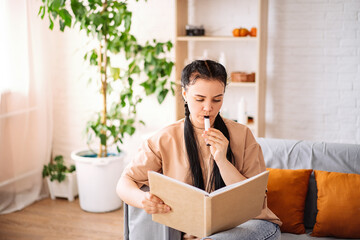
(292, 154)
(278, 153)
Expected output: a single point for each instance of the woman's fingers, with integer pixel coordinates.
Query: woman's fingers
(218, 143)
(214, 135)
(152, 204)
(153, 198)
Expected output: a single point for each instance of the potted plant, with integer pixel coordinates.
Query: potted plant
(61, 179)
(108, 23)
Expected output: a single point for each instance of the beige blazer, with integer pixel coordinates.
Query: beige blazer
(165, 152)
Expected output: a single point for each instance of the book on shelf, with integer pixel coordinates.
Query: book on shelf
(200, 213)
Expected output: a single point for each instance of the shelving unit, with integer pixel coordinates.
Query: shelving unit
(216, 38)
(240, 49)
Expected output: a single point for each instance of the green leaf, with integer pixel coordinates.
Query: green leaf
(97, 19)
(115, 73)
(172, 89)
(122, 100)
(149, 57)
(102, 139)
(42, 12)
(129, 130)
(56, 4)
(162, 95)
(136, 70)
(45, 171)
(61, 177)
(118, 149)
(51, 26)
(159, 48)
(65, 15)
(130, 121)
(54, 14)
(118, 18)
(130, 81)
(169, 68)
(78, 9)
(62, 25)
(169, 45)
(59, 159)
(94, 58)
(128, 21)
(94, 128)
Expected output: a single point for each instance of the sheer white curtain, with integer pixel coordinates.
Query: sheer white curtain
(25, 105)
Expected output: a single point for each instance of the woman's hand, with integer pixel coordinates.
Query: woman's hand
(219, 143)
(152, 204)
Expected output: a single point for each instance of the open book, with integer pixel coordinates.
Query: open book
(200, 213)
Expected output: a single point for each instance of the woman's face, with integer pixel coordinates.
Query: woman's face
(204, 98)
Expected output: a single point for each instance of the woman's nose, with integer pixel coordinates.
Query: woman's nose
(207, 106)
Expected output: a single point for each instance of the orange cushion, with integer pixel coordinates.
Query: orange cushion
(338, 205)
(287, 191)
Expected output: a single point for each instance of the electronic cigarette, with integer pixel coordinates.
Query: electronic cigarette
(207, 125)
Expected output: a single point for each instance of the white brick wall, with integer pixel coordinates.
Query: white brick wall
(313, 72)
(313, 88)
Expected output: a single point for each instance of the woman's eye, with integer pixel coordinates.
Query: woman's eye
(199, 100)
(217, 100)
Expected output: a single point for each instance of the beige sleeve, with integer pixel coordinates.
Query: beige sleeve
(253, 161)
(148, 158)
(253, 157)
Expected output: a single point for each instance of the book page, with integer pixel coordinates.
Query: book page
(179, 182)
(186, 202)
(238, 205)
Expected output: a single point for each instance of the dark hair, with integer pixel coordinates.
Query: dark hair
(206, 69)
(212, 71)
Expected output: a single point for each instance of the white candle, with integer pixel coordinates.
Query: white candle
(241, 113)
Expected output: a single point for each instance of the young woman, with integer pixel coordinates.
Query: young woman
(181, 151)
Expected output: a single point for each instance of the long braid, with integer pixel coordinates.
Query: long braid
(191, 148)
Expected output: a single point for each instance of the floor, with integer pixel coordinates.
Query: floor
(60, 219)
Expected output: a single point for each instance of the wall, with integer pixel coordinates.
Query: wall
(313, 87)
(313, 73)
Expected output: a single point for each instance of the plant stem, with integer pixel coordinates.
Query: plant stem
(103, 67)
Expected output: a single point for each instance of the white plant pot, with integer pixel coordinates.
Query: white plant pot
(65, 189)
(97, 179)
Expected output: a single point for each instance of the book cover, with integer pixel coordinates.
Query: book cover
(200, 213)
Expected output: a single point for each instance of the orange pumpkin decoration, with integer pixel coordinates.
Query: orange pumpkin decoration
(253, 32)
(236, 32)
(243, 32)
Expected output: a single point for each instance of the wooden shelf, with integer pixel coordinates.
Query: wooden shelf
(217, 38)
(236, 49)
(250, 125)
(241, 84)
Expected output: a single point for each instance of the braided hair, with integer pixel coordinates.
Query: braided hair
(211, 71)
